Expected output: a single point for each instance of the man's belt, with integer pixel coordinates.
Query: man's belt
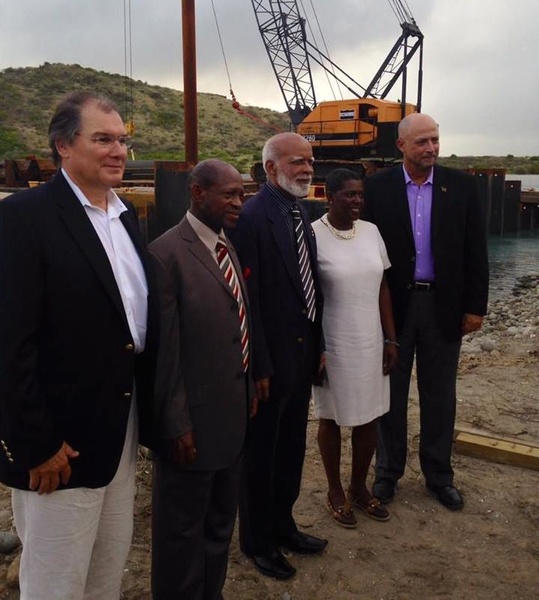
(423, 286)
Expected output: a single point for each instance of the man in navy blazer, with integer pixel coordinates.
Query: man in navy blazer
(286, 316)
(78, 343)
(431, 220)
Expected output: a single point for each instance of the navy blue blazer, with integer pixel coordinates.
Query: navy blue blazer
(67, 362)
(268, 257)
(458, 242)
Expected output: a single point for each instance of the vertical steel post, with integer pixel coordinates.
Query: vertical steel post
(190, 82)
(171, 193)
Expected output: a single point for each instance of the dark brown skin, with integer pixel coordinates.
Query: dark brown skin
(217, 206)
(344, 208)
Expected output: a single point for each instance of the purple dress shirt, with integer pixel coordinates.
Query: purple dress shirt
(420, 205)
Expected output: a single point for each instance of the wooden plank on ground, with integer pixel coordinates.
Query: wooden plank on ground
(502, 450)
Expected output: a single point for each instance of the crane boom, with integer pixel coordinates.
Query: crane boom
(361, 127)
(283, 32)
(396, 62)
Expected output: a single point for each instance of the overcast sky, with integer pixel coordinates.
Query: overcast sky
(481, 75)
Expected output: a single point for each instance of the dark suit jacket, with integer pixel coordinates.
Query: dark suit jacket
(66, 354)
(457, 238)
(201, 382)
(268, 257)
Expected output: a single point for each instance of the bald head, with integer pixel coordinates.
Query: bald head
(419, 143)
(208, 172)
(414, 122)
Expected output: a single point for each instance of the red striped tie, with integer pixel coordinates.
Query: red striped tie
(225, 264)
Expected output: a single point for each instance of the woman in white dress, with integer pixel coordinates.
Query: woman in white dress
(360, 344)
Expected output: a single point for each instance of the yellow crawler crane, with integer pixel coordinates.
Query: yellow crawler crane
(364, 127)
(357, 128)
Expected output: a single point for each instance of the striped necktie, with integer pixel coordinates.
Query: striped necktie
(225, 264)
(304, 262)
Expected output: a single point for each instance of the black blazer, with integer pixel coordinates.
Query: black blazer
(67, 363)
(458, 242)
(278, 310)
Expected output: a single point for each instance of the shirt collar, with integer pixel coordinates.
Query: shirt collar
(283, 199)
(206, 234)
(115, 207)
(408, 179)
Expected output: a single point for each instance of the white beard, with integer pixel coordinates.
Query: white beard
(299, 190)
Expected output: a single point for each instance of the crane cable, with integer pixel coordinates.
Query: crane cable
(402, 11)
(128, 71)
(321, 33)
(235, 104)
(221, 44)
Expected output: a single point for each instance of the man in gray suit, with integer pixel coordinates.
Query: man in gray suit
(203, 390)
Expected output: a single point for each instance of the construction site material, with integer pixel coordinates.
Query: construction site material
(502, 450)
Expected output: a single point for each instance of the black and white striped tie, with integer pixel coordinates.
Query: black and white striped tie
(304, 262)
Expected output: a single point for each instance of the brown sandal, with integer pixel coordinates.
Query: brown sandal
(342, 515)
(373, 508)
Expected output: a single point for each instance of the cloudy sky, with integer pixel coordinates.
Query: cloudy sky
(481, 75)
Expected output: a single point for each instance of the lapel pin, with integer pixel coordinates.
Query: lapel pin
(444, 189)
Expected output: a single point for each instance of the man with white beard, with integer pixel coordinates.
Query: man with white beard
(276, 247)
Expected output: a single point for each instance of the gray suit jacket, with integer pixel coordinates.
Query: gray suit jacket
(201, 384)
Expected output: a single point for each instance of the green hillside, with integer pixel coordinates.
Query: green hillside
(519, 165)
(28, 96)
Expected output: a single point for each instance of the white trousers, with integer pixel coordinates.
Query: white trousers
(75, 542)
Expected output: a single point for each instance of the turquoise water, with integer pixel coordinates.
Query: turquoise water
(511, 256)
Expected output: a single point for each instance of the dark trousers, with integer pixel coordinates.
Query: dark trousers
(436, 365)
(273, 463)
(193, 517)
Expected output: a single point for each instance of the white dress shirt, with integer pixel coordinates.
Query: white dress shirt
(124, 260)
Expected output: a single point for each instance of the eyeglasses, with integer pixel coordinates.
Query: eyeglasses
(106, 141)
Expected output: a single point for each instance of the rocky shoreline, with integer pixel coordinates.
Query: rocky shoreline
(514, 317)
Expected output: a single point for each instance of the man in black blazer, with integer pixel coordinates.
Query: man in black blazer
(202, 390)
(433, 226)
(78, 343)
(286, 306)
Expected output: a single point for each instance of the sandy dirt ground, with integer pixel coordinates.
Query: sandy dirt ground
(488, 551)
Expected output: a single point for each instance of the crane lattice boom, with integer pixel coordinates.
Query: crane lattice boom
(283, 32)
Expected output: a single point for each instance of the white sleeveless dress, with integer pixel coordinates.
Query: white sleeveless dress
(351, 271)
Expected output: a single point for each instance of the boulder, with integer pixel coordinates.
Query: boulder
(8, 542)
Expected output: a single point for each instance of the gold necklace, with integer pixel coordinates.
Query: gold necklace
(341, 235)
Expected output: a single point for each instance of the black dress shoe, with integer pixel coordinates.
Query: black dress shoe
(447, 495)
(303, 543)
(384, 490)
(274, 565)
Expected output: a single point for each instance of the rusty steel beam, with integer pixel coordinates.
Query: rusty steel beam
(190, 82)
